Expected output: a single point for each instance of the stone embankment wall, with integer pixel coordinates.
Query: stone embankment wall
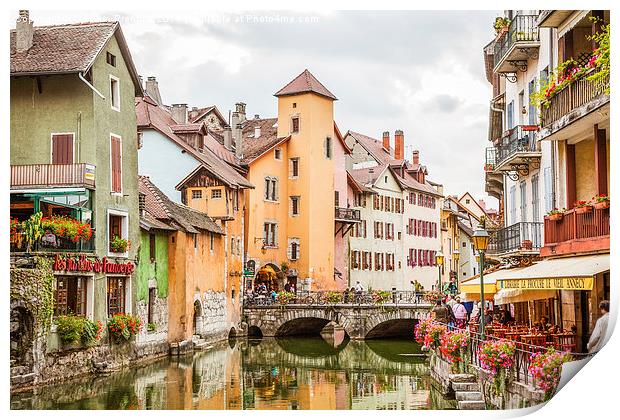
(517, 395)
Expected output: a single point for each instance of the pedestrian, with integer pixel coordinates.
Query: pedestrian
(460, 313)
(358, 292)
(345, 296)
(451, 302)
(597, 339)
(475, 313)
(441, 312)
(287, 287)
(451, 317)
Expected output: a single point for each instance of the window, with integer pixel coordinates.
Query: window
(336, 198)
(293, 249)
(548, 190)
(295, 125)
(467, 201)
(295, 206)
(531, 113)
(328, 147)
(294, 104)
(110, 58)
(116, 165)
(152, 252)
(70, 296)
(277, 154)
(521, 106)
(216, 194)
(509, 115)
(62, 149)
(195, 239)
(115, 95)
(293, 167)
(151, 305)
(232, 246)
(117, 229)
(116, 295)
(523, 207)
(211, 241)
(196, 194)
(271, 185)
(270, 234)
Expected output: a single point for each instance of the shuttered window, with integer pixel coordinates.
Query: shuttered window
(62, 149)
(116, 295)
(115, 150)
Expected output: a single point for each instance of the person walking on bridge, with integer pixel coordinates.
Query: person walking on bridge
(460, 313)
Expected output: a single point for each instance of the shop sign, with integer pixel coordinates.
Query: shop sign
(550, 283)
(83, 264)
(89, 172)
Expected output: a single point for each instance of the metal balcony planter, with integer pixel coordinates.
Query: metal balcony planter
(583, 209)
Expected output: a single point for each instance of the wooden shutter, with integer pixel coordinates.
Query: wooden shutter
(115, 146)
(62, 149)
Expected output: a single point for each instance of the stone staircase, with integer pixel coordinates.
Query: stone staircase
(467, 392)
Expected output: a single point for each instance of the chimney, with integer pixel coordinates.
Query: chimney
(238, 135)
(152, 89)
(179, 113)
(415, 159)
(23, 31)
(386, 140)
(240, 111)
(227, 137)
(257, 131)
(256, 116)
(399, 145)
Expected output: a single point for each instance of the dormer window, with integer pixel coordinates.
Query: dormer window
(110, 58)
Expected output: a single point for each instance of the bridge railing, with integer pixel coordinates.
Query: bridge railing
(331, 297)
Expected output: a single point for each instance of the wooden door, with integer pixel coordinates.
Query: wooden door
(62, 149)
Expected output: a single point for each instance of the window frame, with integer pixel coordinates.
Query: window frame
(124, 230)
(120, 160)
(196, 194)
(115, 93)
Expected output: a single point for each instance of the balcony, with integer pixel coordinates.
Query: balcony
(577, 233)
(519, 43)
(347, 215)
(52, 244)
(576, 101)
(523, 238)
(49, 175)
(516, 152)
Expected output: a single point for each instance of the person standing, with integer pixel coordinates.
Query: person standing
(597, 339)
(460, 313)
(441, 312)
(358, 292)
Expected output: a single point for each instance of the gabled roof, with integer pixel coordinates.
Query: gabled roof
(305, 83)
(373, 146)
(202, 112)
(358, 185)
(178, 216)
(152, 116)
(253, 147)
(67, 49)
(347, 149)
(474, 200)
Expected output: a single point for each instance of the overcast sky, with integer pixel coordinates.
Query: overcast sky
(418, 71)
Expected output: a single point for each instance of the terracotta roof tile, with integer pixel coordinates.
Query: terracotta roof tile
(255, 147)
(305, 82)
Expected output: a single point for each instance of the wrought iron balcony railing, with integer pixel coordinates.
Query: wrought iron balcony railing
(520, 139)
(522, 236)
(51, 175)
(522, 30)
(347, 214)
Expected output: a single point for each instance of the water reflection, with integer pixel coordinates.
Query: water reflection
(283, 373)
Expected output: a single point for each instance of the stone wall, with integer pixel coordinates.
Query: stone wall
(214, 325)
(517, 395)
(160, 319)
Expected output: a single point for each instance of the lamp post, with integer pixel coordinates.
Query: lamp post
(439, 262)
(481, 242)
(455, 256)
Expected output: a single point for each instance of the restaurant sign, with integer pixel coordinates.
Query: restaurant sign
(549, 283)
(83, 264)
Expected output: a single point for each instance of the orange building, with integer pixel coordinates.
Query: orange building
(290, 160)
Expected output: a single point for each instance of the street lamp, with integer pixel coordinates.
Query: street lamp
(455, 256)
(439, 262)
(481, 242)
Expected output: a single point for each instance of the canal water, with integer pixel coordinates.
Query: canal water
(271, 373)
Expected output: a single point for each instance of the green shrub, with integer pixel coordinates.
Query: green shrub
(73, 329)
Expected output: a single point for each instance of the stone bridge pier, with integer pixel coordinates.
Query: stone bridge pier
(358, 321)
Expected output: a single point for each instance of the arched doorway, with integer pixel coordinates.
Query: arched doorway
(197, 317)
(255, 332)
(22, 336)
(270, 276)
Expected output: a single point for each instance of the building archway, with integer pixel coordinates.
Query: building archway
(271, 276)
(197, 318)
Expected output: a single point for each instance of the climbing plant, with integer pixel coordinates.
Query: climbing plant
(33, 287)
(601, 56)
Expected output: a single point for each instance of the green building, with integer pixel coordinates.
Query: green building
(74, 159)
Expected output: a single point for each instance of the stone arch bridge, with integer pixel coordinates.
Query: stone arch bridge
(358, 321)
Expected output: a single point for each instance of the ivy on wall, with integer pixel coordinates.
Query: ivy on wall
(34, 288)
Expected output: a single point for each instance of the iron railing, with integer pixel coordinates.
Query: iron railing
(522, 236)
(522, 29)
(52, 175)
(490, 159)
(342, 213)
(517, 140)
(327, 298)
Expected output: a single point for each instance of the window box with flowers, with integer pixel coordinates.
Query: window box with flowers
(119, 245)
(600, 202)
(556, 215)
(582, 207)
(122, 327)
(546, 369)
(501, 25)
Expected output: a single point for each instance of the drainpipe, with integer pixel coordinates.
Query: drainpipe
(81, 76)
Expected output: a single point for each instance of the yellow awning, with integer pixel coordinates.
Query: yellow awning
(475, 297)
(505, 296)
(573, 273)
(472, 285)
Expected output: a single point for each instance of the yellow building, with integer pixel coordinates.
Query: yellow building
(290, 214)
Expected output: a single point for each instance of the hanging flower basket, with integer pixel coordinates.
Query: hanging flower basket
(583, 209)
(556, 216)
(601, 205)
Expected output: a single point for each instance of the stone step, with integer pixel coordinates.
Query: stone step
(465, 386)
(462, 377)
(468, 396)
(471, 405)
(200, 344)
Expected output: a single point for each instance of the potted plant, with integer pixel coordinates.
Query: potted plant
(119, 244)
(555, 215)
(600, 202)
(582, 207)
(501, 25)
(526, 244)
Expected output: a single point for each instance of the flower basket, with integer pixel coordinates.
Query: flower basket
(526, 244)
(583, 209)
(601, 205)
(546, 369)
(122, 327)
(119, 245)
(556, 217)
